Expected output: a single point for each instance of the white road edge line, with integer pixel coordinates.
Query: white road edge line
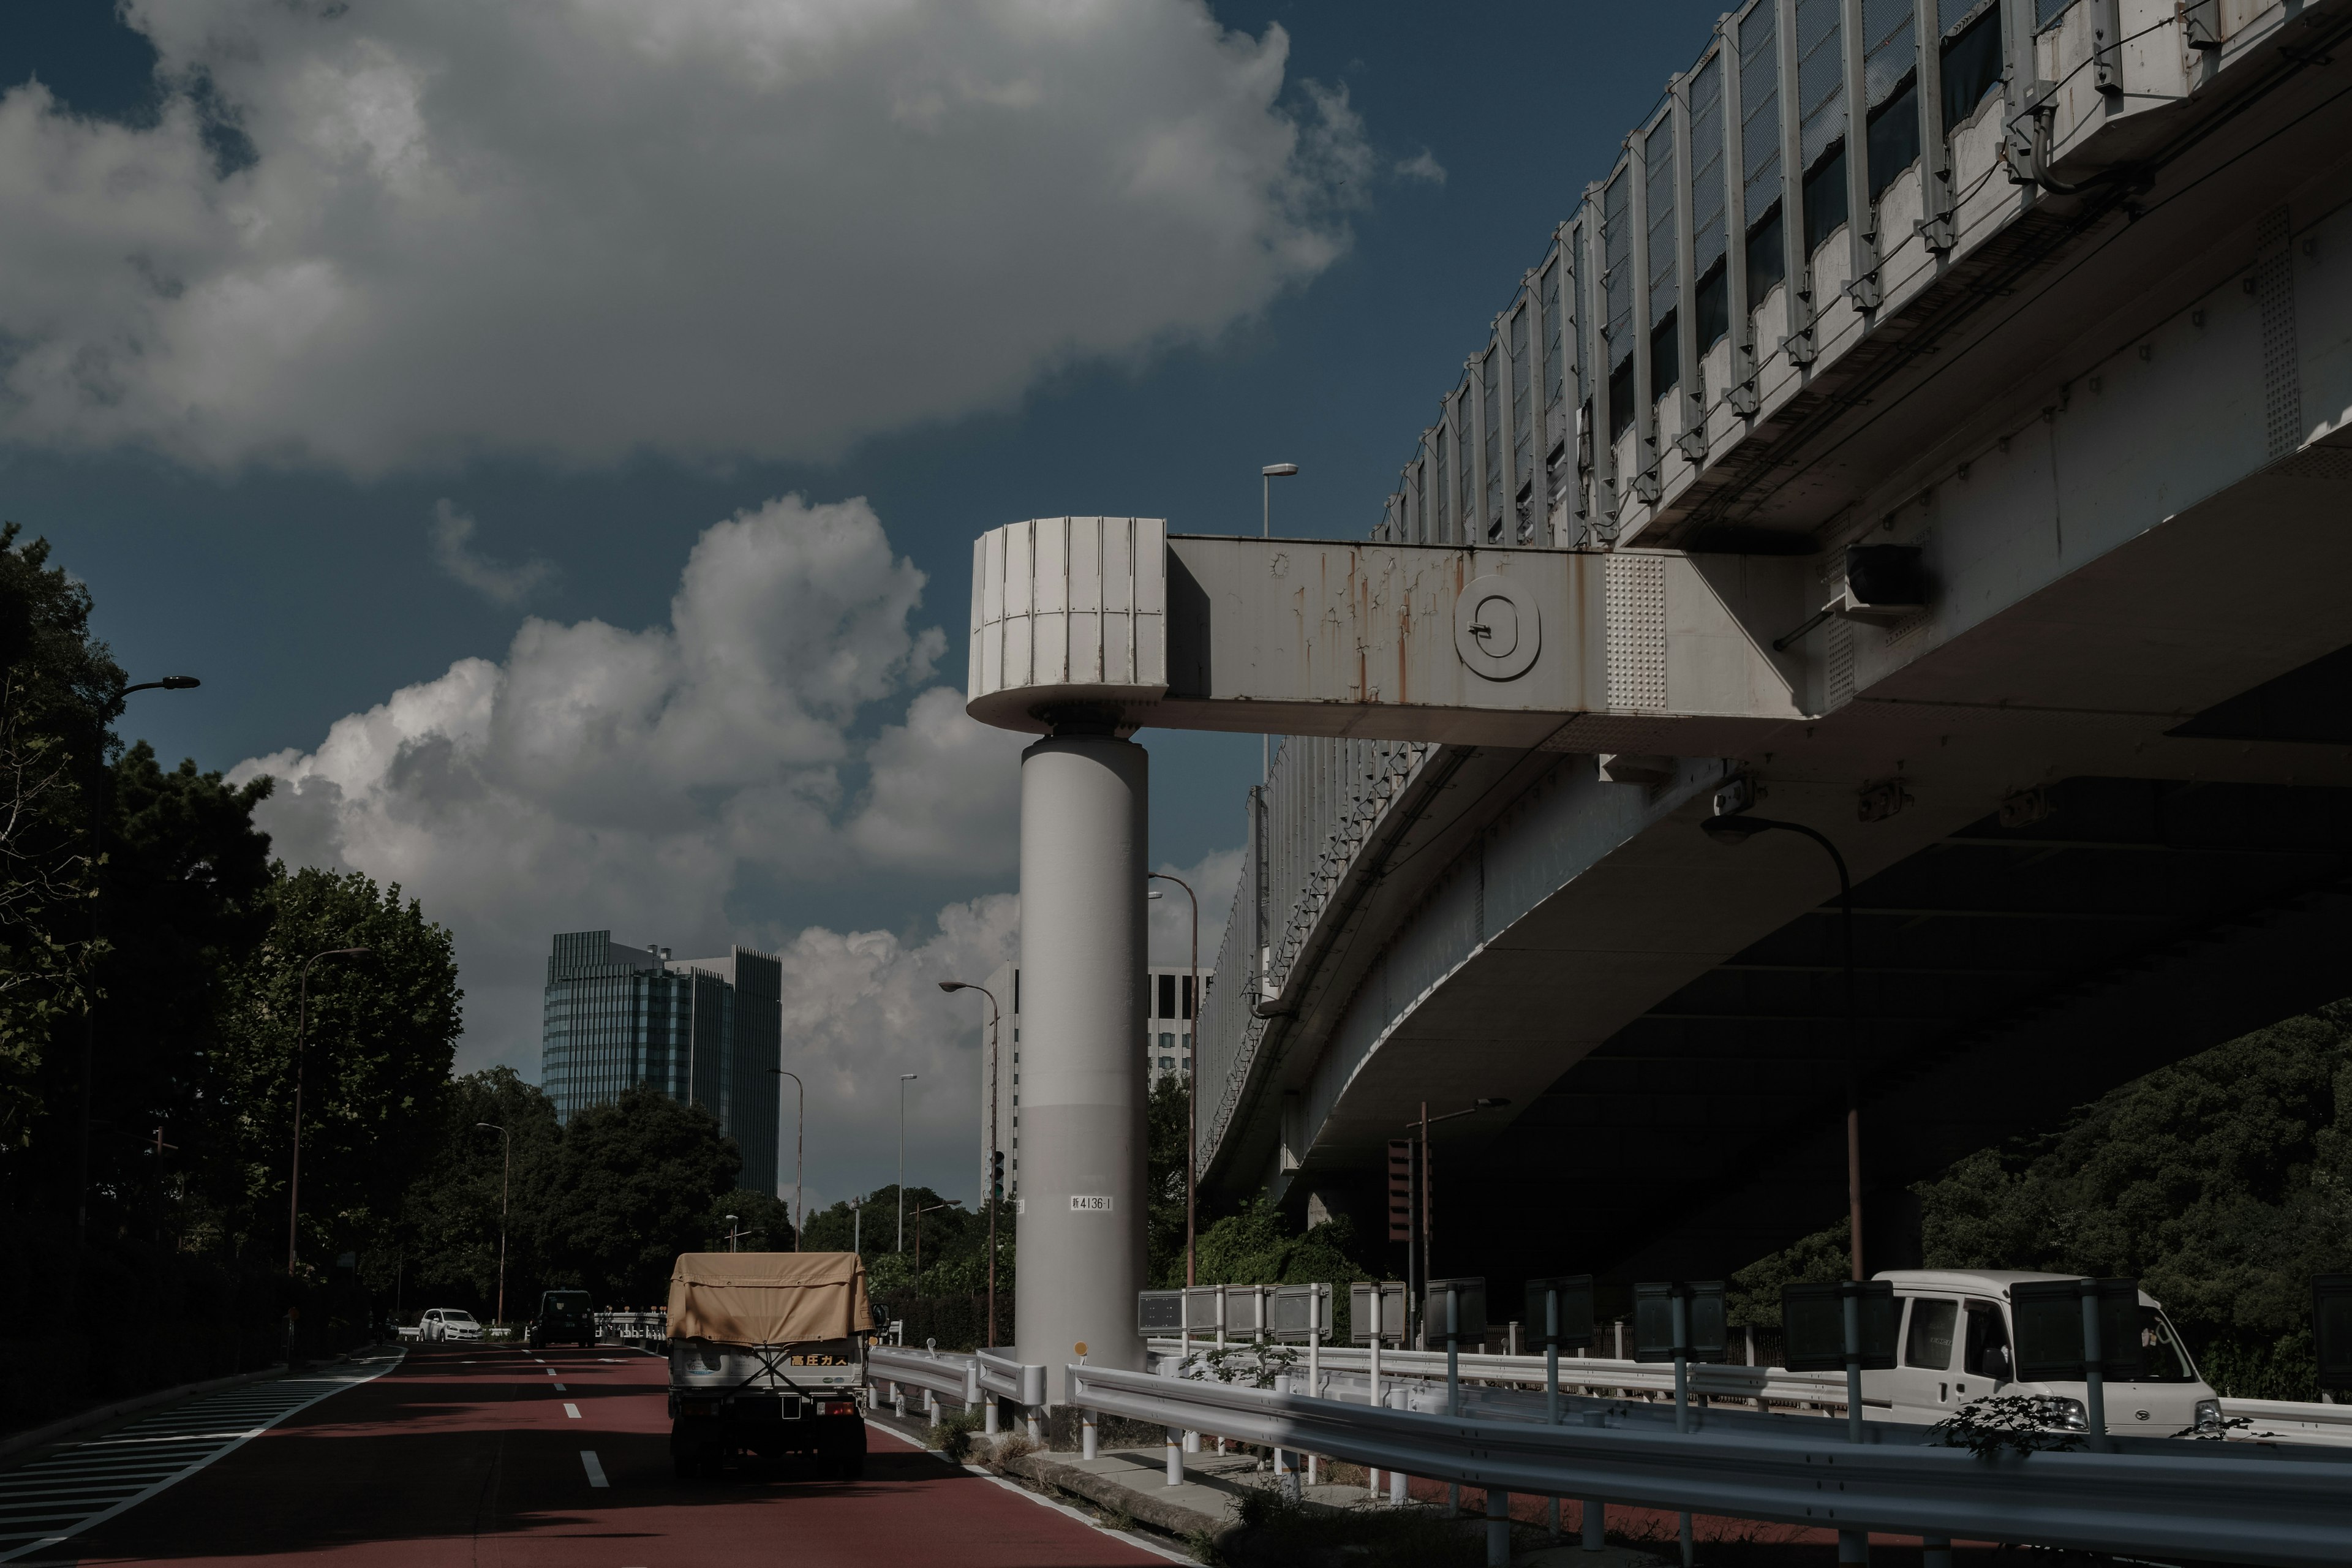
(573, 1410)
(595, 1470)
(560, 1388)
(1140, 1542)
(220, 1453)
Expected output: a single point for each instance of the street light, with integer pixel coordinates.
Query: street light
(730, 1231)
(994, 1196)
(1192, 1068)
(800, 1145)
(904, 1080)
(506, 1181)
(89, 1002)
(1736, 827)
(1424, 1223)
(1266, 478)
(301, 1031)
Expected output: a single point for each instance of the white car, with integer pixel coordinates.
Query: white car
(448, 1323)
(1955, 1336)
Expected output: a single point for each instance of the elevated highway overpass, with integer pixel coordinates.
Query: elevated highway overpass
(1999, 536)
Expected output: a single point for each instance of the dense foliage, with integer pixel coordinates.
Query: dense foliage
(2222, 1184)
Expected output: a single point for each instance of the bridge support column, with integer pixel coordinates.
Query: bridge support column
(1083, 797)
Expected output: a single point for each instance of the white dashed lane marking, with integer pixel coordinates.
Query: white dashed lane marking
(571, 1410)
(595, 1470)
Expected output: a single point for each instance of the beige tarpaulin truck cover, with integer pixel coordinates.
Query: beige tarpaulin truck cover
(768, 1298)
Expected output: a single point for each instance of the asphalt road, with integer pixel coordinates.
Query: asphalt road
(474, 1455)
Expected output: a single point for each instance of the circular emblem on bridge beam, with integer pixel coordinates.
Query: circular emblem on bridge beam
(1497, 630)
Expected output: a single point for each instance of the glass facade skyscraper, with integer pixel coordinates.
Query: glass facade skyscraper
(704, 1031)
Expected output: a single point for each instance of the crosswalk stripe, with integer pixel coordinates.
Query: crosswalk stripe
(91, 1482)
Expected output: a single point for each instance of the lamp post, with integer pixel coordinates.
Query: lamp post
(730, 1231)
(89, 1002)
(1737, 827)
(904, 1080)
(1192, 1070)
(1266, 475)
(302, 1032)
(994, 1196)
(1425, 1221)
(506, 1181)
(800, 1146)
(920, 1210)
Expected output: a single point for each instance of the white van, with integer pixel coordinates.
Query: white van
(1954, 1339)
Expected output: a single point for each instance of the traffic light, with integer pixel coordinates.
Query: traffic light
(1401, 1189)
(996, 1175)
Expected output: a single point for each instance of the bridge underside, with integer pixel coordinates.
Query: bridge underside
(2005, 977)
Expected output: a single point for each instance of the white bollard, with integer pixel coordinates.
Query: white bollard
(1086, 1434)
(988, 1414)
(898, 1400)
(1499, 1526)
(1175, 1458)
(932, 1406)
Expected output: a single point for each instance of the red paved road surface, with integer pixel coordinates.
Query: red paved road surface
(464, 1455)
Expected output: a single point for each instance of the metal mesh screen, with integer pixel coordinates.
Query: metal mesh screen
(1523, 401)
(1888, 47)
(1443, 486)
(1466, 469)
(1491, 407)
(1820, 79)
(1706, 164)
(1759, 110)
(1616, 261)
(1554, 298)
(1658, 193)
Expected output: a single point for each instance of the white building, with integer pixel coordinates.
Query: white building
(1167, 1050)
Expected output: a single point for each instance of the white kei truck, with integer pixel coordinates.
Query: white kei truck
(767, 1357)
(1955, 1336)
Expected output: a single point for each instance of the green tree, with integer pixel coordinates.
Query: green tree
(446, 1245)
(383, 1031)
(59, 692)
(1166, 1116)
(185, 901)
(2222, 1184)
(763, 1223)
(636, 1182)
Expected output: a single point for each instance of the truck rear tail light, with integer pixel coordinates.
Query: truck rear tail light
(839, 1407)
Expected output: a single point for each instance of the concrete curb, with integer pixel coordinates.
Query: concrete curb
(41, 1436)
(1183, 1523)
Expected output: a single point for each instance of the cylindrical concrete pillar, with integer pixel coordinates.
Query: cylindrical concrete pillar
(1083, 799)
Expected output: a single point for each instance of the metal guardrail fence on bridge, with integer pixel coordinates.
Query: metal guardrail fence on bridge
(2236, 1503)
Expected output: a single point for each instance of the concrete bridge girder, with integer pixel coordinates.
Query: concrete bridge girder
(2126, 489)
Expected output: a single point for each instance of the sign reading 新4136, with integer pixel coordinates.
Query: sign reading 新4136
(1081, 1202)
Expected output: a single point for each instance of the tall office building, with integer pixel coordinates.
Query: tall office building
(704, 1031)
(1167, 1050)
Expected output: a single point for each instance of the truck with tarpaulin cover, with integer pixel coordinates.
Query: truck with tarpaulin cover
(767, 1356)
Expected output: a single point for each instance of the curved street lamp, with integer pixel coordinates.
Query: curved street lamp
(800, 1146)
(89, 1003)
(952, 986)
(301, 1030)
(1735, 828)
(506, 1181)
(1191, 1072)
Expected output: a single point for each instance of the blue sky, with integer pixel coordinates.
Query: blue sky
(306, 586)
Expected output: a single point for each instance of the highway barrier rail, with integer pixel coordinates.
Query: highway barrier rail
(1008, 1379)
(2237, 1502)
(1771, 1384)
(946, 1373)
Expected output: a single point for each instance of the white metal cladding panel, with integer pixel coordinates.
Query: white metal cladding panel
(1063, 601)
(1636, 622)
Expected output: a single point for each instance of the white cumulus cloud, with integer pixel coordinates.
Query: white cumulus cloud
(602, 776)
(367, 237)
(452, 533)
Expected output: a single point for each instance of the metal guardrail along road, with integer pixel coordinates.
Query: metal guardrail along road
(2238, 1503)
